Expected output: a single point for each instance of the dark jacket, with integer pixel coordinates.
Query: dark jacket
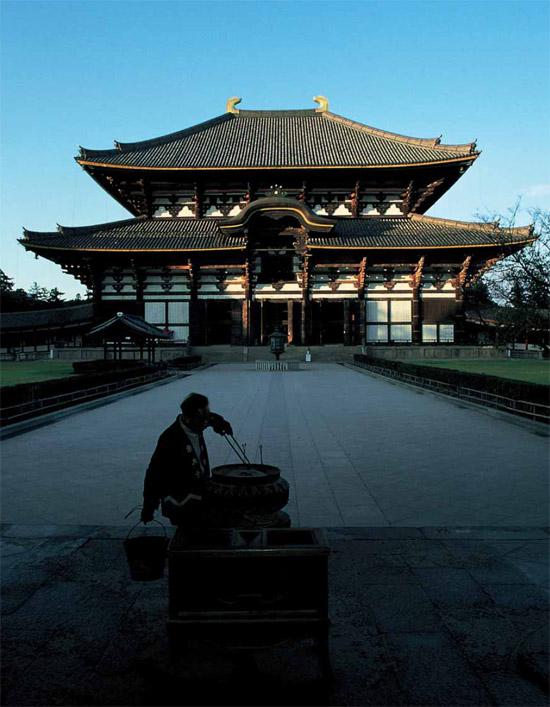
(174, 469)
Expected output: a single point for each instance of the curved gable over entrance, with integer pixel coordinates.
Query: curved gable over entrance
(277, 207)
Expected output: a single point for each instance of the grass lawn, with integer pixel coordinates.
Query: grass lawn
(14, 372)
(532, 371)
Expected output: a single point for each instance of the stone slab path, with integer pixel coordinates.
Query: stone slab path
(357, 451)
(420, 616)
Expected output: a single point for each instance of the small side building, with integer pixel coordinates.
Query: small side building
(39, 329)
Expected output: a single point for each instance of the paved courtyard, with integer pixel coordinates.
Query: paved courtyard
(357, 450)
(419, 617)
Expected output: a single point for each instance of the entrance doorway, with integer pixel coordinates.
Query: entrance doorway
(273, 315)
(217, 329)
(327, 319)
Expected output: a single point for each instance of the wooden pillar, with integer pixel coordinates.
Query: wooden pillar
(290, 322)
(305, 322)
(361, 308)
(139, 284)
(459, 316)
(246, 313)
(362, 327)
(416, 317)
(195, 318)
(95, 273)
(262, 333)
(459, 283)
(416, 284)
(238, 335)
(245, 322)
(347, 323)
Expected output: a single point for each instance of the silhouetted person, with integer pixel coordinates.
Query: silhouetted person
(179, 465)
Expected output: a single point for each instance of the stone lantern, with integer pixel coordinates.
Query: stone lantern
(277, 343)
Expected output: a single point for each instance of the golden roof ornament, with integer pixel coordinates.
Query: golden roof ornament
(323, 104)
(231, 103)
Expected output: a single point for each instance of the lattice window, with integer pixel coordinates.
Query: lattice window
(389, 320)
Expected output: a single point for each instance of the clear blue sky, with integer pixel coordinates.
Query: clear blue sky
(90, 72)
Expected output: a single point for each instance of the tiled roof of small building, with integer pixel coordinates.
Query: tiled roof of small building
(188, 234)
(131, 324)
(287, 138)
(57, 317)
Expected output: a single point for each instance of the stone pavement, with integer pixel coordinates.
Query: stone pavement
(432, 616)
(356, 449)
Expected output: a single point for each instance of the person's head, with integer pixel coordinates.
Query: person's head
(195, 411)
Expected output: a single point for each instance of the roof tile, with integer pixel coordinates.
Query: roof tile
(264, 139)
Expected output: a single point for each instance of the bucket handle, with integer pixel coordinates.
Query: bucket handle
(139, 521)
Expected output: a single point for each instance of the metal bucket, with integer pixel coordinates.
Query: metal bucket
(146, 555)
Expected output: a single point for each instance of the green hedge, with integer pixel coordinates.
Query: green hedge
(517, 390)
(184, 362)
(29, 392)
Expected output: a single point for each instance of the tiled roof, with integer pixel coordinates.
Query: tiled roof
(264, 139)
(130, 323)
(416, 231)
(138, 234)
(159, 234)
(56, 317)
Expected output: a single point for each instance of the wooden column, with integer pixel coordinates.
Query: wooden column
(290, 321)
(362, 327)
(139, 285)
(246, 322)
(459, 283)
(195, 318)
(237, 324)
(305, 320)
(95, 273)
(262, 333)
(361, 314)
(416, 318)
(416, 284)
(246, 307)
(347, 323)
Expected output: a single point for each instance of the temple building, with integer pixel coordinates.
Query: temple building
(300, 219)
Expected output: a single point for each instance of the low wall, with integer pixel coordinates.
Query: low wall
(88, 353)
(403, 353)
(225, 353)
(250, 354)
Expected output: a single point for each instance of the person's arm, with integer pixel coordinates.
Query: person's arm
(220, 425)
(152, 484)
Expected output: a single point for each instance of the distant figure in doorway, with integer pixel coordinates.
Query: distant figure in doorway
(179, 465)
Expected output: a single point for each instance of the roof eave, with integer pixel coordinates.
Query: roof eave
(147, 168)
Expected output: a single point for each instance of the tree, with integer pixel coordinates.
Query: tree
(38, 293)
(6, 284)
(520, 281)
(55, 296)
(478, 295)
(13, 299)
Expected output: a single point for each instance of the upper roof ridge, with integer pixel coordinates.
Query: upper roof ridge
(291, 138)
(168, 137)
(433, 142)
